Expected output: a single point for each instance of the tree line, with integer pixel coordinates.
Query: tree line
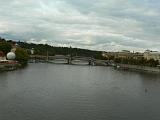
(44, 49)
(142, 61)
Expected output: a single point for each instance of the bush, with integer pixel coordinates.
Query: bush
(5, 47)
(22, 56)
(142, 61)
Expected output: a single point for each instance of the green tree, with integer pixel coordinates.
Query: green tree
(152, 62)
(5, 47)
(22, 56)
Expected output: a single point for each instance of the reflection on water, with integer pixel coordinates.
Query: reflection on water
(66, 92)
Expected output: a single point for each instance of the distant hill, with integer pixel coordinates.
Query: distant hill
(42, 49)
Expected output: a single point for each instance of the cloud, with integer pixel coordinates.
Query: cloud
(97, 24)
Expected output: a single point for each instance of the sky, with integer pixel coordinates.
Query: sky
(106, 25)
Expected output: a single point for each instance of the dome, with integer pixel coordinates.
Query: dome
(11, 56)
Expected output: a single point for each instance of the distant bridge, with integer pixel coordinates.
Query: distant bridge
(66, 59)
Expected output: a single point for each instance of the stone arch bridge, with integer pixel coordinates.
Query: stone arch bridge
(66, 59)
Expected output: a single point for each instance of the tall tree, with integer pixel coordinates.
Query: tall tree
(5, 47)
(22, 56)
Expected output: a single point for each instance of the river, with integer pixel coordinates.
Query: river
(68, 92)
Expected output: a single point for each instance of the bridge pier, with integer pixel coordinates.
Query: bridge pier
(90, 62)
(69, 60)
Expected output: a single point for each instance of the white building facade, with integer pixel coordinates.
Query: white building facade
(152, 55)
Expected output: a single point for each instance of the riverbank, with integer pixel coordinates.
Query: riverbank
(67, 92)
(9, 65)
(138, 68)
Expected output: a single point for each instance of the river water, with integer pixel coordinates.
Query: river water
(66, 92)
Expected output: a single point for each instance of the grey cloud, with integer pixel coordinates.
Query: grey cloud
(96, 24)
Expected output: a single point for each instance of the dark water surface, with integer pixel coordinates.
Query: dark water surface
(66, 92)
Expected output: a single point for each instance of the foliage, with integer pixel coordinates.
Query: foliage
(22, 56)
(142, 61)
(42, 49)
(4, 46)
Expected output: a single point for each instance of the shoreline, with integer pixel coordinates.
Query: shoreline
(9, 66)
(128, 67)
(137, 68)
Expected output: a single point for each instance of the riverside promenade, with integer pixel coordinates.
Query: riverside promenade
(138, 68)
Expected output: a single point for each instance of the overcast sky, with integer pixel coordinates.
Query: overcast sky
(108, 25)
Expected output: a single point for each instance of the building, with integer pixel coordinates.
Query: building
(14, 47)
(138, 55)
(124, 54)
(2, 56)
(32, 51)
(109, 55)
(152, 55)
